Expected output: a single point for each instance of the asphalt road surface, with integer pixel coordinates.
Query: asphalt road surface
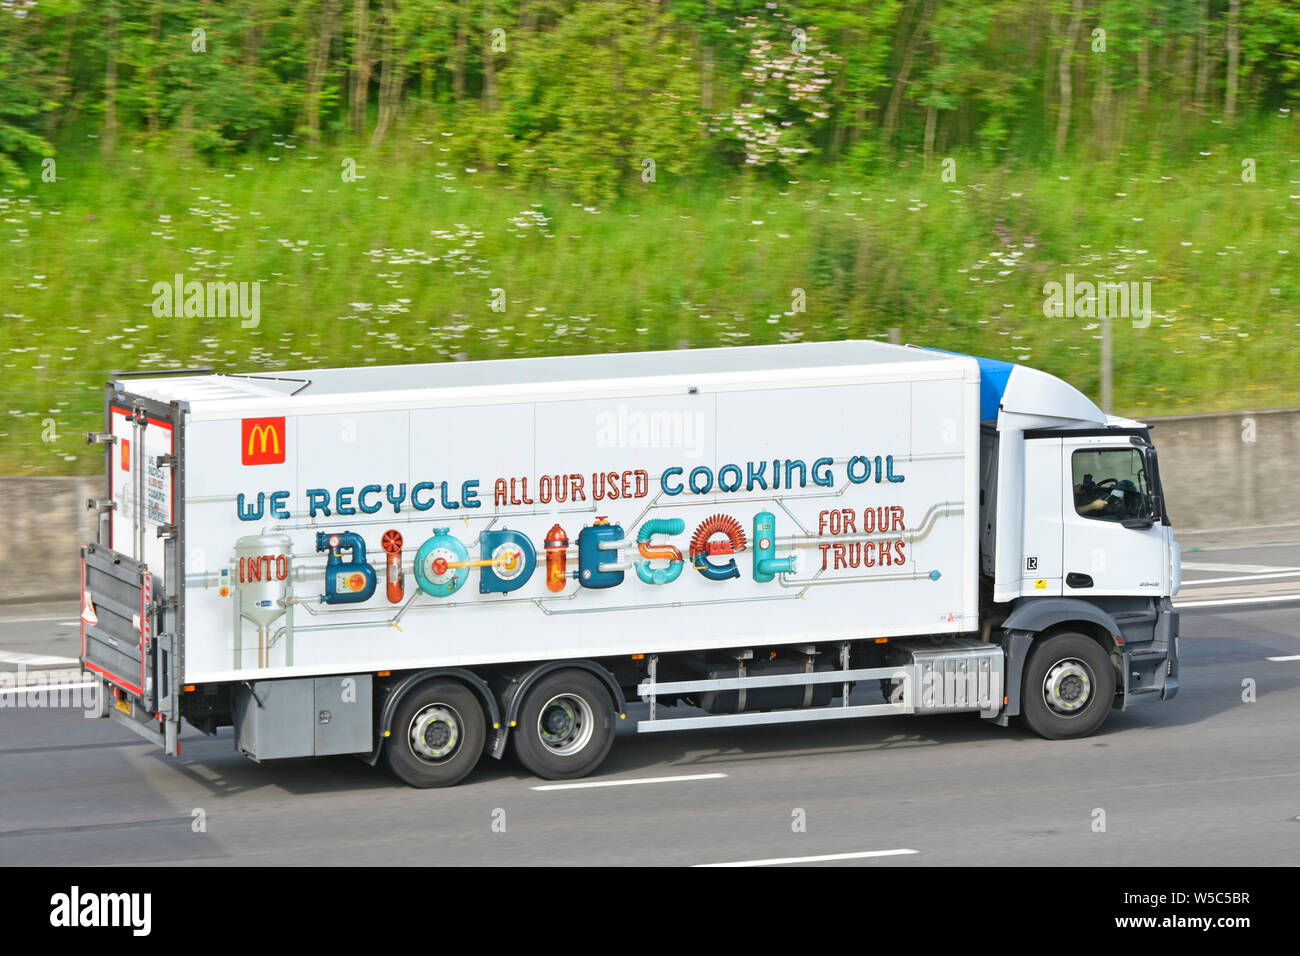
(1212, 777)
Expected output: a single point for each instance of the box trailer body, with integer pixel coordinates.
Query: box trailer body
(386, 558)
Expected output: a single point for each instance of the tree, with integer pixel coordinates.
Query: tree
(27, 89)
(601, 92)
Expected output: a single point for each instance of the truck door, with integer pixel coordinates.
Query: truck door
(1113, 542)
(129, 612)
(140, 486)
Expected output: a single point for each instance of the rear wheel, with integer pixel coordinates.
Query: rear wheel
(438, 731)
(565, 726)
(1069, 687)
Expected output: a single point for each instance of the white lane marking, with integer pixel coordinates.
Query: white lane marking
(47, 687)
(1229, 602)
(1196, 582)
(33, 660)
(1293, 657)
(628, 783)
(1239, 568)
(813, 859)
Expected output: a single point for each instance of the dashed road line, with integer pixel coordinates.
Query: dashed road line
(825, 858)
(1237, 568)
(46, 688)
(591, 784)
(35, 660)
(1229, 602)
(1196, 582)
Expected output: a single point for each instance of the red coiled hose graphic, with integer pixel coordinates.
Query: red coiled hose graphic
(702, 548)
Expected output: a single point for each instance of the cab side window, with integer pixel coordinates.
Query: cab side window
(1111, 484)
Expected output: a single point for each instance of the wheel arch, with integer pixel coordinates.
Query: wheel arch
(1033, 621)
(1055, 614)
(1087, 628)
(409, 682)
(514, 695)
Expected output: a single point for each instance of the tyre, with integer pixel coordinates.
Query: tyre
(1069, 686)
(438, 732)
(565, 726)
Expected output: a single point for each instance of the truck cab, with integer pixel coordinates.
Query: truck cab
(1075, 539)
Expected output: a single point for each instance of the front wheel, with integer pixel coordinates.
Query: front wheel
(438, 732)
(1069, 686)
(565, 726)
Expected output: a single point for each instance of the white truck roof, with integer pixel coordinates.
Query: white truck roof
(1017, 396)
(325, 389)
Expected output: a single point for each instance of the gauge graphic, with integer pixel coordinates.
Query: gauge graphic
(440, 564)
(509, 560)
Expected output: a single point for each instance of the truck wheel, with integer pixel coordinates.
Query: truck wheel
(1069, 686)
(438, 731)
(565, 726)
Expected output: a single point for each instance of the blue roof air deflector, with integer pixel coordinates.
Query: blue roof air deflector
(993, 382)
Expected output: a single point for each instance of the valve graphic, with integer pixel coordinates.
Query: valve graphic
(439, 564)
(650, 551)
(557, 548)
(348, 581)
(511, 559)
(766, 564)
(391, 542)
(442, 561)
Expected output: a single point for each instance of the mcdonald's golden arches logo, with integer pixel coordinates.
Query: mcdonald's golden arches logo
(262, 441)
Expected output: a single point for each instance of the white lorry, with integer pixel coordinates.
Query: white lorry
(426, 563)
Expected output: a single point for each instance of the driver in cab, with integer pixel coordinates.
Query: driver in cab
(1104, 500)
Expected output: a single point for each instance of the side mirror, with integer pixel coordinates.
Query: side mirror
(1139, 524)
